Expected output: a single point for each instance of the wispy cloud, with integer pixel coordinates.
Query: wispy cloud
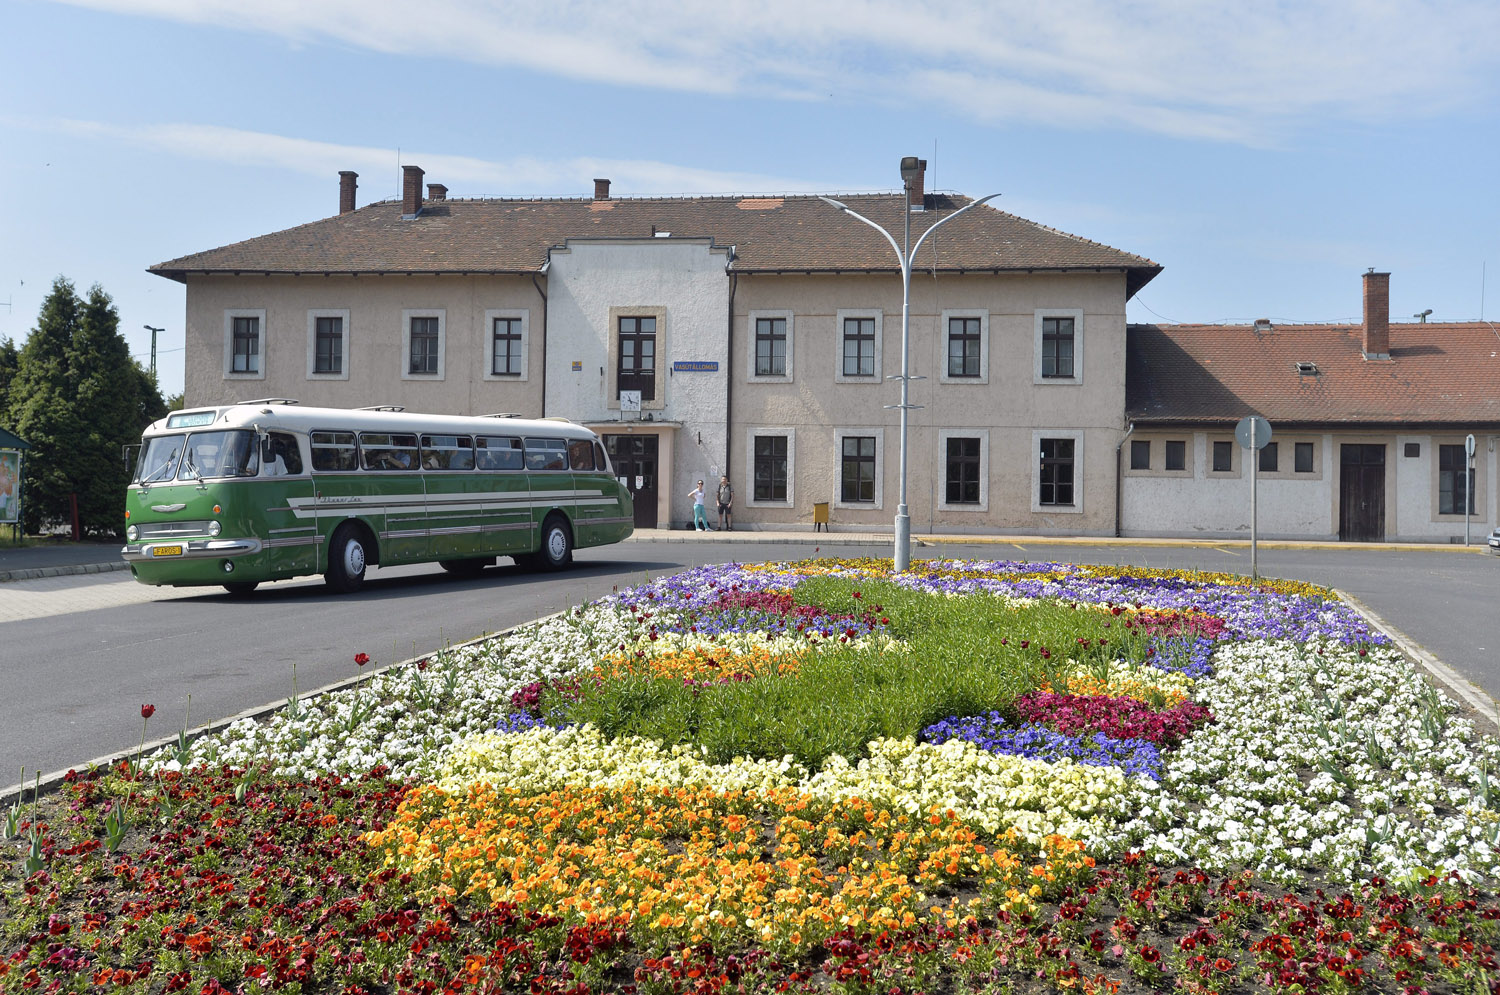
(517, 176)
(1229, 71)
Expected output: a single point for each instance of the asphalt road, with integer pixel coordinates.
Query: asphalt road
(74, 676)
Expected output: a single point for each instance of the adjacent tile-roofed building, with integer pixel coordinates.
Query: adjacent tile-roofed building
(793, 234)
(1437, 374)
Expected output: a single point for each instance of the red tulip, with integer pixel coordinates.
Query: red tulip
(361, 658)
(147, 711)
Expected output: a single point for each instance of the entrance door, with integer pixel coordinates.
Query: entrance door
(634, 460)
(1361, 492)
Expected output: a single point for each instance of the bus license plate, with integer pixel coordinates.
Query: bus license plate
(166, 551)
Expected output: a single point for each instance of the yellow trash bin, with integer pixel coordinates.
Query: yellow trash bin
(820, 516)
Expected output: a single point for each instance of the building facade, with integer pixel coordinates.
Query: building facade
(1370, 425)
(751, 337)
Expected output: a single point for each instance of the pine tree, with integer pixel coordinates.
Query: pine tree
(78, 397)
(42, 411)
(116, 398)
(10, 358)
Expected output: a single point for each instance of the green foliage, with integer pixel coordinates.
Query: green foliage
(78, 398)
(10, 359)
(958, 656)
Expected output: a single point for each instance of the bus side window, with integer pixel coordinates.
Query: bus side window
(447, 452)
(546, 454)
(601, 462)
(499, 453)
(334, 451)
(581, 454)
(282, 456)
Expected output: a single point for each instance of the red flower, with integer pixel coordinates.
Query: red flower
(147, 711)
(361, 658)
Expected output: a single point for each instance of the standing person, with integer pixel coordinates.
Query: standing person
(700, 515)
(726, 504)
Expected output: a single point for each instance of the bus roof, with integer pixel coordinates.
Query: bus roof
(276, 413)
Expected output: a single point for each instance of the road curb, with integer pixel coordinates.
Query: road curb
(36, 573)
(1472, 694)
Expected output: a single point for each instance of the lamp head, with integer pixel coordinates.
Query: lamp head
(910, 167)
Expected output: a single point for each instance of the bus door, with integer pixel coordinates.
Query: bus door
(455, 497)
(592, 489)
(504, 516)
(551, 481)
(291, 535)
(391, 487)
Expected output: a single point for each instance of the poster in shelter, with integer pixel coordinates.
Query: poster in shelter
(10, 486)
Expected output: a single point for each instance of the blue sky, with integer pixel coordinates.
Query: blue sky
(1265, 154)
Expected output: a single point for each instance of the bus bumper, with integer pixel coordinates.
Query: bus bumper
(196, 549)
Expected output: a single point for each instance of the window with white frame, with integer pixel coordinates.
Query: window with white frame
(244, 344)
(770, 345)
(771, 458)
(965, 456)
(505, 344)
(859, 334)
(328, 344)
(1057, 461)
(860, 456)
(1058, 346)
(966, 346)
(422, 344)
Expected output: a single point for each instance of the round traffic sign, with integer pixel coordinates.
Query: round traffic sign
(1253, 432)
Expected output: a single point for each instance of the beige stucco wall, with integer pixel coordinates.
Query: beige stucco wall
(1008, 405)
(374, 357)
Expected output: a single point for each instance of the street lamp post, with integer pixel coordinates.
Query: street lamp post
(904, 253)
(153, 330)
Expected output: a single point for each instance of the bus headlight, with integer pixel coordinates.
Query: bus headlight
(131, 532)
(214, 528)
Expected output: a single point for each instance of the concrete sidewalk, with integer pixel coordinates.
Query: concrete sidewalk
(56, 559)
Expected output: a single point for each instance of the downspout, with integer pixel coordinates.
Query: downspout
(734, 279)
(1120, 475)
(543, 294)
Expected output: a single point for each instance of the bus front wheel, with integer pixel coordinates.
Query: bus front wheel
(557, 545)
(346, 560)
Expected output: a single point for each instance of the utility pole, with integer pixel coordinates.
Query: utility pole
(153, 330)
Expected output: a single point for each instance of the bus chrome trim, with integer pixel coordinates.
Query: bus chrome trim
(146, 551)
(168, 509)
(290, 542)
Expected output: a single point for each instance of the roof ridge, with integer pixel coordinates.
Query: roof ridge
(1068, 234)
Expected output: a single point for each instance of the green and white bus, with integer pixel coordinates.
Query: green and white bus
(261, 490)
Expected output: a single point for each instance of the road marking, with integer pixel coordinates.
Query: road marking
(1019, 546)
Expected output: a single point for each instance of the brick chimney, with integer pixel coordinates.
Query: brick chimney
(347, 183)
(411, 191)
(916, 187)
(601, 189)
(436, 191)
(1377, 329)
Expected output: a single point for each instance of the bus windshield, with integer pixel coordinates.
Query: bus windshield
(202, 454)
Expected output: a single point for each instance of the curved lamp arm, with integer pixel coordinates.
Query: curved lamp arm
(967, 207)
(855, 214)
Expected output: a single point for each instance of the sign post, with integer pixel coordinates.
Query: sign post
(1468, 482)
(1252, 433)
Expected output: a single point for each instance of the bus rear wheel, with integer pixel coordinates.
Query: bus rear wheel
(465, 568)
(557, 545)
(346, 560)
(241, 588)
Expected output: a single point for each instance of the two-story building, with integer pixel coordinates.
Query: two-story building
(749, 336)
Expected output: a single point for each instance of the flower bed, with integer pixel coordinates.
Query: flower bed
(785, 777)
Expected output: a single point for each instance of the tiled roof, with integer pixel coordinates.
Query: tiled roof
(1438, 373)
(770, 234)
